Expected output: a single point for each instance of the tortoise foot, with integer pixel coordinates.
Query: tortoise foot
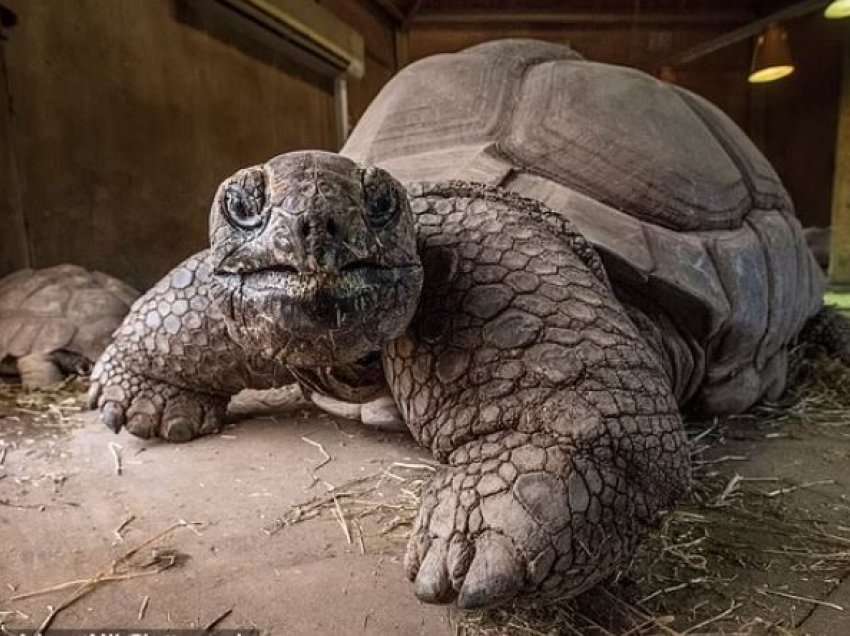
(538, 518)
(149, 408)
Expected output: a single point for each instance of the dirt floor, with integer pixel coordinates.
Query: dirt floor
(66, 514)
(243, 527)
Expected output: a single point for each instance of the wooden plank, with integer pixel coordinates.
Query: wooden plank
(312, 26)
(372, 23)
(562, 17)
(614, 44)
(226, 22)
(411, 14)
(343, 124)
(402, 53)
(839, 261)
(390, 9)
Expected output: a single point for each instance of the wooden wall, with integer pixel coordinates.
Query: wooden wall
(124, 117)
(798, 115)
(13, 240)
(378, 31)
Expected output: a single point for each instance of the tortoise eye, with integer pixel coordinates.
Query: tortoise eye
(243, 202)
(382, 203)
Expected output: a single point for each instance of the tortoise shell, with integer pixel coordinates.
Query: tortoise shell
(63, 307)
(687, 214)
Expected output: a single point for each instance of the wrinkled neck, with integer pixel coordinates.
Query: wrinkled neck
(680, 358)
(355, 382)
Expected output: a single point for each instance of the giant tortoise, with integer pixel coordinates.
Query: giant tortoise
(546, 260)
(58, 320)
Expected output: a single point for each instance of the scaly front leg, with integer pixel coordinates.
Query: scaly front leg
(173, 366)
(522, 513)
(150, 408)
(312, 264)
(561, 433)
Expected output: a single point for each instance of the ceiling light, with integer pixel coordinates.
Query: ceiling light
(838, 9)
(772, 56)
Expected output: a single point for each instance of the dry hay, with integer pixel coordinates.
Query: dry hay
(53, 405)
(145, 559)
(376, 510)
(30, 414)
(720, 563)
(819, 391)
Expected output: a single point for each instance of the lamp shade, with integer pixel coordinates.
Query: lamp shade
(772, 56)
(838, 9)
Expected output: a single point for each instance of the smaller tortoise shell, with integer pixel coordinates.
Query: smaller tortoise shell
(62, 307)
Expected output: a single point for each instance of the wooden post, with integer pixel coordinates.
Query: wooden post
(341, 109)
(839, 261)
(401, 48)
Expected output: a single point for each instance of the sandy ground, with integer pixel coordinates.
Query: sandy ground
(62, 504)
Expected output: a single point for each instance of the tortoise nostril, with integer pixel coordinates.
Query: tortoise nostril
(331, 228)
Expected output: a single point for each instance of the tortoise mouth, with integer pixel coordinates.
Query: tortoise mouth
(354, 266)
(362, 293)
(351, 280)
(321, 319)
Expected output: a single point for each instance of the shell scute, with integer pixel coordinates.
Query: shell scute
(61, 307)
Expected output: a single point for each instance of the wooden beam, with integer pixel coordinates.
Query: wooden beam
(402, 48)
(839, 251)
(310, 26)
(343, 125)
(388, 7)
(745, 32)
(411, 14)
(560, 17)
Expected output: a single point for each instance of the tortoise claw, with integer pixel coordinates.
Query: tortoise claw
(432, 582)
(495, 574)
(113, 416)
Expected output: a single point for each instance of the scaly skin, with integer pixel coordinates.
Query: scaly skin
(172, 365)
(521, 370)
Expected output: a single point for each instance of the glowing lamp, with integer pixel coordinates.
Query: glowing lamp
(838, 9)
(772, 56)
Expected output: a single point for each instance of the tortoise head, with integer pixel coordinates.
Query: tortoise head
(318, 255)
